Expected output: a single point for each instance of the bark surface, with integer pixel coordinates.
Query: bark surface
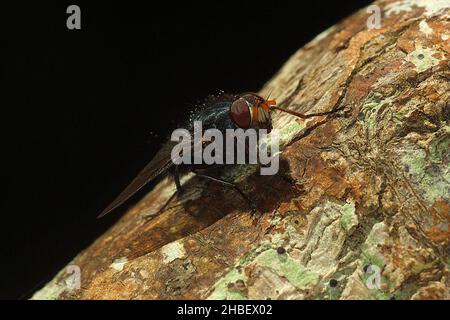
(362, 196)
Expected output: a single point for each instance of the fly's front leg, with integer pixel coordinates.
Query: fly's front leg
(306, 116)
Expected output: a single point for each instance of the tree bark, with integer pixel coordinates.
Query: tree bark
(359, 209)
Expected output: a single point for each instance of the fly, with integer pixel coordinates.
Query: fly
(227, 111)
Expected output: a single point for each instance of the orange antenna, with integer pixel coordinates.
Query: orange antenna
(267, 104)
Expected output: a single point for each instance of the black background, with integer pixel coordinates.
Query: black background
(84, 110)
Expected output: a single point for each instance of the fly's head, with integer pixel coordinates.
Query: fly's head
(250, 110)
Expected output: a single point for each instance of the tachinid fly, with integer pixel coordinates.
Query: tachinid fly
(226, 111)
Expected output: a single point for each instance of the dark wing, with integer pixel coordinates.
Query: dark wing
(214, 113)
(160, 164)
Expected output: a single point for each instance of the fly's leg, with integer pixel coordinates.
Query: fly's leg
(167, 203)
(306, 116)
(250, 203)
(176, 178)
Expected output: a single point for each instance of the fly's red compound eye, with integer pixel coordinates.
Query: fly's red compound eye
(240, 113)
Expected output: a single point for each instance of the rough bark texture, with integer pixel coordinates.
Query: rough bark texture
(365, 185)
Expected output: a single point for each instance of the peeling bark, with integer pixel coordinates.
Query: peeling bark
(362, 189)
